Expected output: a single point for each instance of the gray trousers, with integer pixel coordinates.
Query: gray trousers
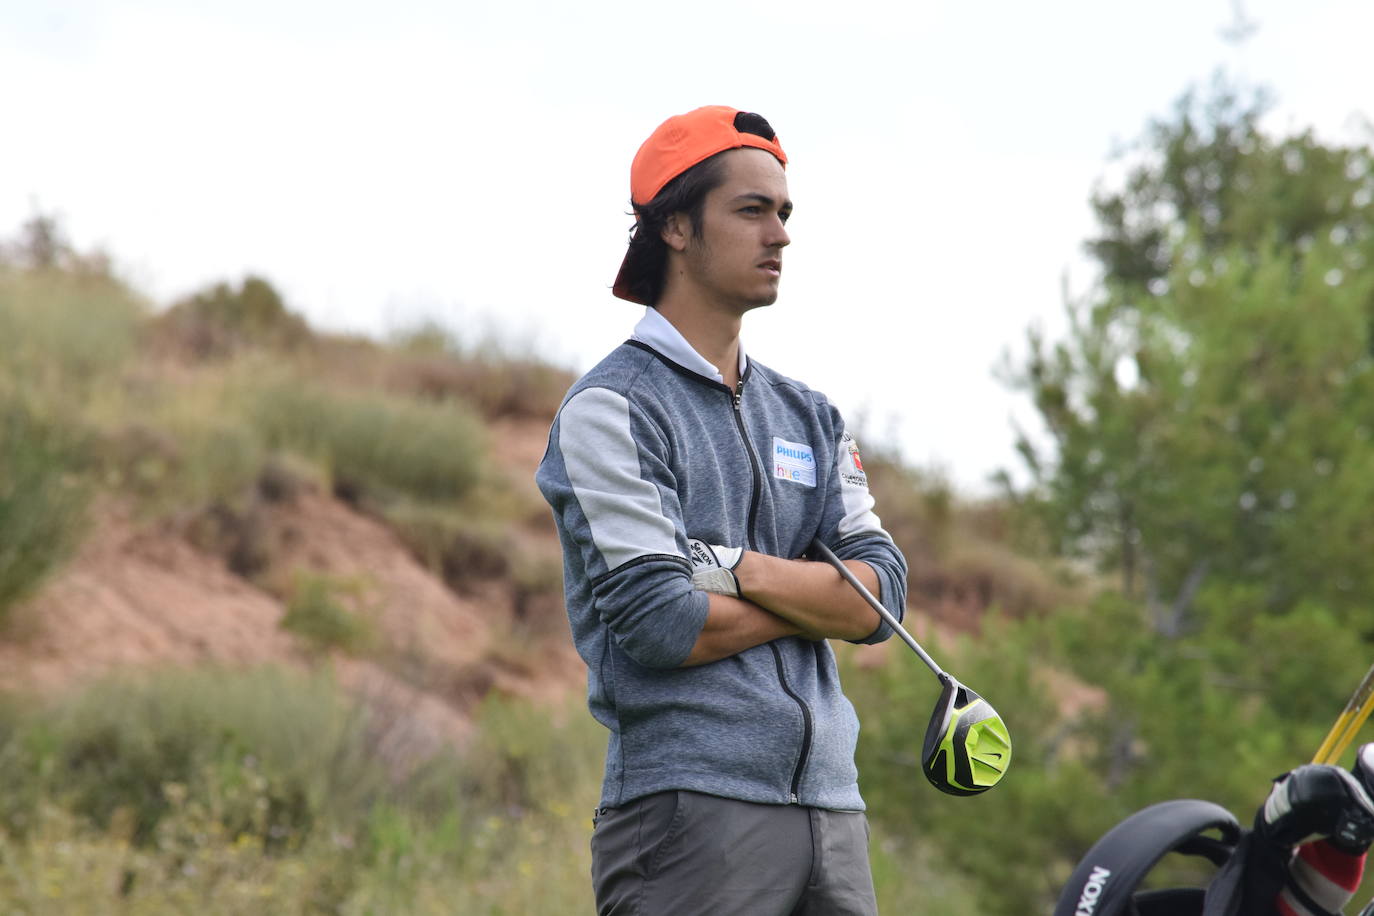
(684, 853)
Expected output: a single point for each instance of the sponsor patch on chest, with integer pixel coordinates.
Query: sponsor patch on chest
(794, 461)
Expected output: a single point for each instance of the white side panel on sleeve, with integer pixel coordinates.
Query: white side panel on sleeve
(623, 509)
(857, 501)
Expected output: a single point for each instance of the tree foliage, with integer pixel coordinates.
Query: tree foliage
(1209, 415)
(1210, 410)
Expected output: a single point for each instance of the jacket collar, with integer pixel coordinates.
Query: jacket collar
(658, 332)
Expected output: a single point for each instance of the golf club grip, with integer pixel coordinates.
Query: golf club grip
(829, 556)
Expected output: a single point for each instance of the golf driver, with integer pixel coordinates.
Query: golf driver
(1348, 723)
(967, 748)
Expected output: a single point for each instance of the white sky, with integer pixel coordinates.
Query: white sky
(469, 162)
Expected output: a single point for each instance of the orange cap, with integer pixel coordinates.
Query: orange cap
(684, 140)
(675, 146)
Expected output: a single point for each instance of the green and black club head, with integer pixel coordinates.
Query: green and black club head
(967, 748)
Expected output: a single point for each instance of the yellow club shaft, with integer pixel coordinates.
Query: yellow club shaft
(1348, 723)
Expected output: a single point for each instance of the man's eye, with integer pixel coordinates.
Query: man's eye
(750, 210)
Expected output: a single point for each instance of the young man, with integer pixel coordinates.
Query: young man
(688, 482)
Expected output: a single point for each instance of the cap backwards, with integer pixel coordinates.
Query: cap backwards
(682, 142)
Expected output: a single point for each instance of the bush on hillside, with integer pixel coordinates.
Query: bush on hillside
(962, 556)
(322, 610)
(497, 378)
(279, 752)
(64, 338)
(221, 320)
(42, 502)
(500, 387)
(375, 446)
(460, 549)
(263, 793)
(42, 246)
(174, 458)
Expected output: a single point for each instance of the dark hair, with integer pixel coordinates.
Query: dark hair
(647, 259)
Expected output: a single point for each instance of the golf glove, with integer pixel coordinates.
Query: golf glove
(1319, 801)
(713, 567)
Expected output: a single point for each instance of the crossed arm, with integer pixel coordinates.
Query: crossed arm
(786, 598)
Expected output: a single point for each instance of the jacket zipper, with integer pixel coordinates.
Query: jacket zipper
(794, 796)
(757, 486)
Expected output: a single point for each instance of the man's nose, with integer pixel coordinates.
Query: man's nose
(779, 237)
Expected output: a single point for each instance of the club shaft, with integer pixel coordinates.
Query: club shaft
(1348, 723)
(874, 603)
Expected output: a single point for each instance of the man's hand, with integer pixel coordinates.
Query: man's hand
(811, 595)
(1319, 801)
(713, 567)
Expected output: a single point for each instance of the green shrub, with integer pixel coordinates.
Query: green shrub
(316, 611)
(375, 446)
(458, 547)
(42, 502)
(508, 834)
(64, 337)
(173, 458)
(522, 760)
(220, 320)
(272, 753)
(500, 827)
(909, 877)
(497, 376)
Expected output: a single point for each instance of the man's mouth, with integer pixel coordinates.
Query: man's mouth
(773, 266)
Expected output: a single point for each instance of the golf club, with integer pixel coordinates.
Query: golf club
(967, 748)
(1348, 723)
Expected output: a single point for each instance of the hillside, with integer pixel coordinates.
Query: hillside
(281, 619)
(145, 594)
(448, 596)
(217, 509)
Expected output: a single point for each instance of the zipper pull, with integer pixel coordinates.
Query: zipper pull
(739, 393)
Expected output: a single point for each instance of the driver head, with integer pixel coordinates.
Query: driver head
(967, 748)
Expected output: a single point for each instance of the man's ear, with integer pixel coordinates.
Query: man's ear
(677, 228)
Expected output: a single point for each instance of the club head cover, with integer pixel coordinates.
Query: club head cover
(1364, 767)
(1319, 801)
(713, 567)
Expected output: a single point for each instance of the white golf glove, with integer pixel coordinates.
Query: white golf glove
(713, 567)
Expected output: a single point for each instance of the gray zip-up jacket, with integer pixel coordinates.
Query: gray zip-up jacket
(645, 453)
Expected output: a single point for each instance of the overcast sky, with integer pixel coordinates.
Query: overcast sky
(469, 162)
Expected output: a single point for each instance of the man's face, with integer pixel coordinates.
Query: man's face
(736, 257)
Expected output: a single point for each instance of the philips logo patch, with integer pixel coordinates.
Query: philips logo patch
(794, 461)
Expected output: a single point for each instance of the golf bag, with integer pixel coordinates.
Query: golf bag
(1255, 867)
(1107, 880)
(1250, 874)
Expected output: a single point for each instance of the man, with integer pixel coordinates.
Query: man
(687, 483)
